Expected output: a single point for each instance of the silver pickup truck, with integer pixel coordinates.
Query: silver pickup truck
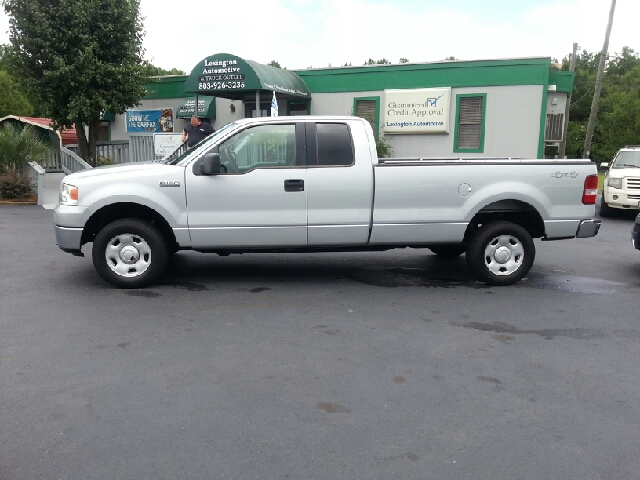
(312, 183)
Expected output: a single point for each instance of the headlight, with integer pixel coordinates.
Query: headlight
(68, 194)
(615, 182)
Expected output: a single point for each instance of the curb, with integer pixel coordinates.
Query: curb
(2, 202)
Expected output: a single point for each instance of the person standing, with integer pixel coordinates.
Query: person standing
(196, 131)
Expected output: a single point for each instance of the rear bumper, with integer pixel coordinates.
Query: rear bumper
(588, 228)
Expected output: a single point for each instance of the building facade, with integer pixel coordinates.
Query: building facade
(493, 108)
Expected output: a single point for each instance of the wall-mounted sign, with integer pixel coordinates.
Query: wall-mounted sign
(423, 110)
(166, 143)
(206, 108)
(160, 120)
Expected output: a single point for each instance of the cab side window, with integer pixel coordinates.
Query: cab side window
(335, 147)
(262, 146)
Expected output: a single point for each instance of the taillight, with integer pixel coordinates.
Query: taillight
(590, 191)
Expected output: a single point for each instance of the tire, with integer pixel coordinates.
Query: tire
(129, 253)
(448, 251)
(605, 209)
(500, 253)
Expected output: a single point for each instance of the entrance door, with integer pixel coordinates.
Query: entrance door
(250, 109)
(261, 200)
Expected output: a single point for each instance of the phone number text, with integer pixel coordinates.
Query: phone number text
(219, 85)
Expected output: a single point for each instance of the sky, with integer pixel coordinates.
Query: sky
(303, 34)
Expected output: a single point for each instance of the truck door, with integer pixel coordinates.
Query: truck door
(339, 184)
(261, 199)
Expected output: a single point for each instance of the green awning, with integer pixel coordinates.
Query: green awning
(107, 116)
(228, 76)
(206, 107)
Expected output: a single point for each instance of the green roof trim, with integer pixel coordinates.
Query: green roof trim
(166, 87)
(562, 80)
(229, 76)
(480, 73)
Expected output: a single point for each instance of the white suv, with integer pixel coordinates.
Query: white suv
(622, 181)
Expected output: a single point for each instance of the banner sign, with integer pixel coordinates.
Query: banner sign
(422, 110)
(160, 120)
(166, 143)
(189, 107)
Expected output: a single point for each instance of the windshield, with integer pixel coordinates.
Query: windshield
(627, 159)
(180, 154)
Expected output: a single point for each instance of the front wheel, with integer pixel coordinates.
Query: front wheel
(605, 209)
(129, 253)
(500, 253)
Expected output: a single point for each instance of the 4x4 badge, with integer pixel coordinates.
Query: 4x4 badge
(170, 183)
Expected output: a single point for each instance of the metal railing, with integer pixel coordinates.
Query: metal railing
(70, 162)
(50, 161)
(117, 151)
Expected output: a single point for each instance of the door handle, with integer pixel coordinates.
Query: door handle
(296, 185)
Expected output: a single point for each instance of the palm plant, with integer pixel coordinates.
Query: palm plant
(19, 145)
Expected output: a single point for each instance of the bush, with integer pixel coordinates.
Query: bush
(15, 185)
(18, 146)
(102, 161)
(383, 147)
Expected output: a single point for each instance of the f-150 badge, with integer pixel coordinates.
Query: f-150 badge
(170, 183)
(564, 174)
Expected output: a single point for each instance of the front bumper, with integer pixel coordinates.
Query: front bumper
(635, 233)
(621, 199)
(69, 223)
(69, 239)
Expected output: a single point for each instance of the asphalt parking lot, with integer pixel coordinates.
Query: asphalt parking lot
(388, 365)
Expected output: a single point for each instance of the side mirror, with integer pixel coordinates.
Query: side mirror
(211, 164)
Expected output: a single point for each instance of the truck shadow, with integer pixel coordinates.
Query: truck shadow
(419, 268)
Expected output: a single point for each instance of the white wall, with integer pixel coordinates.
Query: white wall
(512, 122)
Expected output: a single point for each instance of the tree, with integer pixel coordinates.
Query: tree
(4, 57)
(79, 58)
(619, 107)
(383, 61)
(152, 71)
(12, 101)
(273, 63)
(404, 60)
(620, 124)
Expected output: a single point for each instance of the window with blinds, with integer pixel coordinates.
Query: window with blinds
(367, 108)
(470, 129)
(554, 129)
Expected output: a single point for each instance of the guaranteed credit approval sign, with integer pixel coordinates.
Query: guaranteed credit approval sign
(421, 110)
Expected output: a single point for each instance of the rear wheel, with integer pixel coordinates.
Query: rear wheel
(129, 253)
(500, 253)
(448, 251)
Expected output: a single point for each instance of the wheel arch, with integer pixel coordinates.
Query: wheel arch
(117, 211)
(510, 210)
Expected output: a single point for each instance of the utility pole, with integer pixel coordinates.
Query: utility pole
(586, 151)
(563, 143)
